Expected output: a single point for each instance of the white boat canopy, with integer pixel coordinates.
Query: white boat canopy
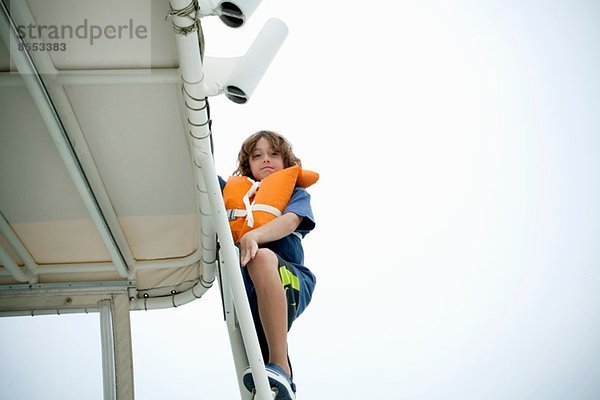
(109, 200)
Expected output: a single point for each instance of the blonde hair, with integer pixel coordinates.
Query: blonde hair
(277, 142)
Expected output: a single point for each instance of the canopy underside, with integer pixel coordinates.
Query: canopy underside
(97, 182)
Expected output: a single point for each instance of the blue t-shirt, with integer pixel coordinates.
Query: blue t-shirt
(290, 247)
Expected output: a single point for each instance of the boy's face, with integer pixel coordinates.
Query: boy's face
(264, 160)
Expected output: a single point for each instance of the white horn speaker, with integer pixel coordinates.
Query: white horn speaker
(234, 13)
(251, 68)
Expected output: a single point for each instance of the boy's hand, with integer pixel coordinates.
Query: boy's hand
(248, 248)
(271, 231)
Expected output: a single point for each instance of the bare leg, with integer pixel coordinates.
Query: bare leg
(272, 304)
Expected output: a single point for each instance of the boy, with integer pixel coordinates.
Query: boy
(278, 285)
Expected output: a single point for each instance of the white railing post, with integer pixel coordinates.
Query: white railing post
(108, 350)
(192, 75)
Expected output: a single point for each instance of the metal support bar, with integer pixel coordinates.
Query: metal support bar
(30, 265)
(122, 347)
(192, 74)
(41, 98)
(101, 77)
(13, 268)
(53, 298)
(108, 350)
(240, 358)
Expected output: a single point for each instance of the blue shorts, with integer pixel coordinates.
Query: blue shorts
(299, 284)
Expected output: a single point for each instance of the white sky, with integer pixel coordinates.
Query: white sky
(458, 224)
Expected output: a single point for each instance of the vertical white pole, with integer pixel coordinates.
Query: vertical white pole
(240, 358)
(123, 349)
(108, 350)
(192, 75)
(117, 357)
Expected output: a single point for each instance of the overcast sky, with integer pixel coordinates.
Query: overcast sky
(456, 248)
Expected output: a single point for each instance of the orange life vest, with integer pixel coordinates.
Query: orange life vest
(251, 204)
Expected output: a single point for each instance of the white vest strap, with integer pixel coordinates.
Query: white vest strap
(246, 200)
(250, 207)
(237, 213)
(266, 208)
